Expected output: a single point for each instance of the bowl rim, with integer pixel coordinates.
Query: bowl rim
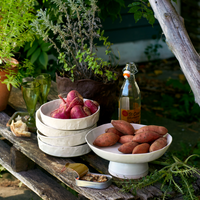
(125, 157)
(41, 125)
(56, 119)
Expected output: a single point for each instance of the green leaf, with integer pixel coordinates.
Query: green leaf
(35, 55)
(43, 59)
(134, 4)
(121, 2)
(137, 16)
(32, 49)
(40, 41)
(134, 9)
(45, 46)
(113, 8)
(27, 46)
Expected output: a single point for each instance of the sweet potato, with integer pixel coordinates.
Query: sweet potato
(158, 144)
(114, 130)
(125, 138)
(141, 148)
(127, 147)
(158, 129)
(123, 126)
(106, 139)
(146, 136)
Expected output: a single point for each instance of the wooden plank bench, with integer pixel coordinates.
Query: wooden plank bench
(40, 182)
(44, 174)
(54, 166)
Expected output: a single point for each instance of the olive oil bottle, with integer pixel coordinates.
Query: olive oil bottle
(130, 96)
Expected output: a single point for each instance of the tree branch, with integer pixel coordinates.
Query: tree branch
(177, 38)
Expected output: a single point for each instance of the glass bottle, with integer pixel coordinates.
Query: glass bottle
(130, 96)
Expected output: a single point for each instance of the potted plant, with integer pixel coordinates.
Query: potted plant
(15, 30)
(74, 37)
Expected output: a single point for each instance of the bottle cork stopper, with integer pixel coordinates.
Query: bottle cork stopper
(126, 74)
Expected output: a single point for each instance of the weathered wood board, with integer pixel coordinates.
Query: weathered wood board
(35, 179)
(54, 166)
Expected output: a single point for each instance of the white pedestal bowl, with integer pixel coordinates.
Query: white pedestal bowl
(127, 166)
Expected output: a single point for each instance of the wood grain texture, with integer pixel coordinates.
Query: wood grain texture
(55, 166)
(35, 179)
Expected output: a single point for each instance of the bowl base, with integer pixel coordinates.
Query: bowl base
(127, 170)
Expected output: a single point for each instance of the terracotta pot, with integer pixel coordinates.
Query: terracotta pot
(4, 92)
(104, 94)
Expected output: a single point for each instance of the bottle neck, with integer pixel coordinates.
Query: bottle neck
(130, 78)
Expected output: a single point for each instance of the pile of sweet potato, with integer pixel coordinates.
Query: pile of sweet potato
(73, 107)
(146, 139)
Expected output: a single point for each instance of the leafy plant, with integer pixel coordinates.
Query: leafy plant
(177, 176)
(74, 39)
(110, 8)
(142, 9)
(15, 17)
(37, 52)
(151, 51)
(15, 30)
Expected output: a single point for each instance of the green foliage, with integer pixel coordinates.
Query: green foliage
(110, 8)
(177, 175)
(15, 30)
(151, 51)
(73, 37)
(37, 53)
(26, 69)
(142, 9)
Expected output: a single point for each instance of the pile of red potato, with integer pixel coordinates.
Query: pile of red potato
(146, 139)
(74, 107)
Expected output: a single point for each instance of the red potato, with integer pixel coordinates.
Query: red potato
(86, 111)
(60, 113)
(106, 140)
(159, 129)
(77, 112)
(158, 144)
(123, 126)
(141, 148)
(126, 138)
(96, 103)
(146, 136)
(72, 95)
(114, 130)
(127, 147)
(75, 101)
(91, 105)
(64, 102)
